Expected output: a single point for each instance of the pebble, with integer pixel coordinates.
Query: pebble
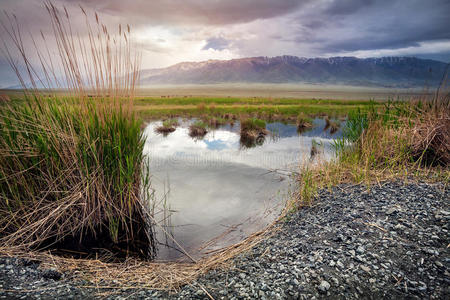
(324, 286)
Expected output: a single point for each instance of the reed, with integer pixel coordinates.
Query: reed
(71, 166)
(400, 140)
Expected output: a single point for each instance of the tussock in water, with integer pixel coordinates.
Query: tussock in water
(198, 130)
(253, 132)
(167, 127)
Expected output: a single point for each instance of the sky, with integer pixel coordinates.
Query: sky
(172, 31)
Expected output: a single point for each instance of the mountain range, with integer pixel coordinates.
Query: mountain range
(383, 71)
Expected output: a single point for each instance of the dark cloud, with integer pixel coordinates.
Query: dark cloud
(7, 76)
(170, 31)
(204, 12)
(352, 25)
(345, 7)
(216, 43)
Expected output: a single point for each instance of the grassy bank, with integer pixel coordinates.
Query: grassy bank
(71, 174)
(399, 140)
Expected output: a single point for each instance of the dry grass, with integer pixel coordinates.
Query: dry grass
(430, 138)
(303, 122)
(253, 132)
(105, 65)
(134, 273)
(4, 98)
(71, 168)
(402, 141)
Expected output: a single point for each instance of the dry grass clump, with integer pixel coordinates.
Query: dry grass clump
(201, 106)
(401, 140)
(304, 122)
(332, 125)
(71, 169)
(430, 138)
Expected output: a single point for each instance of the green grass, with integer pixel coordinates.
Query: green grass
(170, 123)
(69, 170)
(200, 124)
(262, 108)
(252, 124)
(263, 112)
(198, 129)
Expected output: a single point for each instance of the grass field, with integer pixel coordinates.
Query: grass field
(261, 107)
(266, 108)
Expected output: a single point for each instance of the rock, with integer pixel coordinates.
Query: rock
(365, 269)
(391, 211)
(324, 286)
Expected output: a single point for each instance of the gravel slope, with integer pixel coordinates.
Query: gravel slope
(390, 243)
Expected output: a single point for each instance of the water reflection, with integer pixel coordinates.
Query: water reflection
(215, 183)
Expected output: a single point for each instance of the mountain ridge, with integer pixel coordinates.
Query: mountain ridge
(390, 71)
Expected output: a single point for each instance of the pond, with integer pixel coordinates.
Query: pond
(214, 191)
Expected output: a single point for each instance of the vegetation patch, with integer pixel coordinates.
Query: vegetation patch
(4, 98)
(303, 123)
(253, 132)
(271, 110)
(72, 169)
(409, 140)
(332, 125)
(198, 129)
(167, 126)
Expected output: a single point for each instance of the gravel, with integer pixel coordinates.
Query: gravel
(392, 242)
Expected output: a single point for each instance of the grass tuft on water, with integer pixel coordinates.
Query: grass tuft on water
(253, 132)
(167, 126)
(198, 129)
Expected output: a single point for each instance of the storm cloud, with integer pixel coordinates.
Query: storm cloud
(203, 12)
(171, 31)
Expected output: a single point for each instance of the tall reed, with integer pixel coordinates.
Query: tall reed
(71, 166)
(401, 139)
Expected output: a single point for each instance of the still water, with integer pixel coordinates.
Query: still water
(213, 192)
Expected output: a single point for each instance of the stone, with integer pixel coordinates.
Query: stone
(365, 269)
(324, 286)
